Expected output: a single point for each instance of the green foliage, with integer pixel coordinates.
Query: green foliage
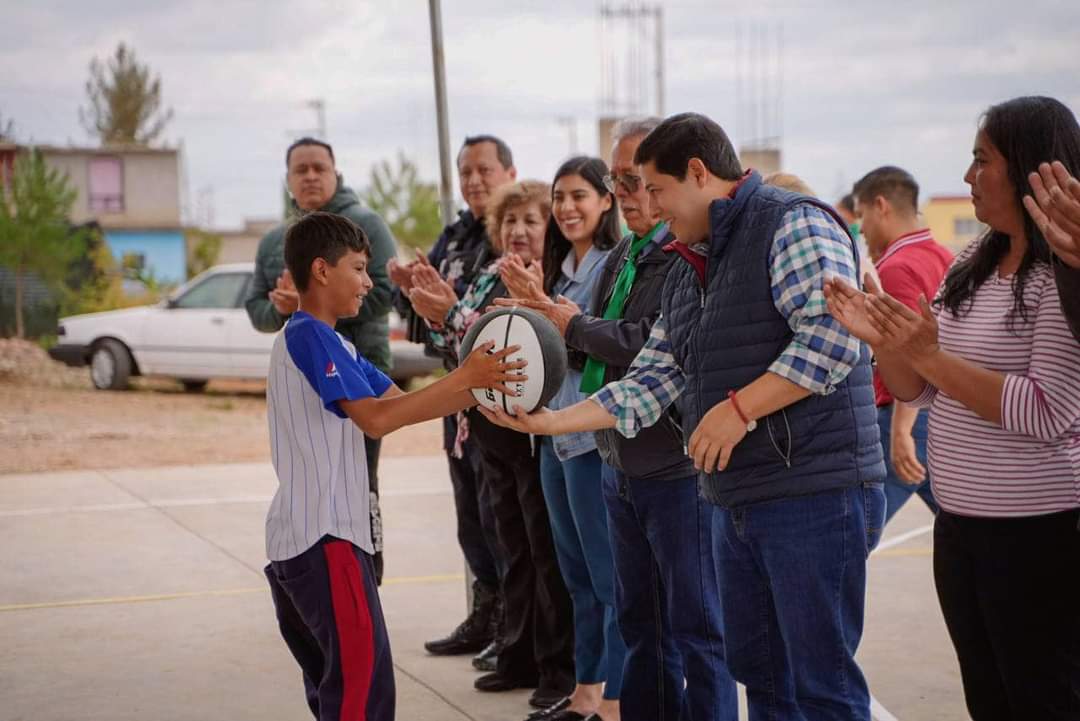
(35, 236)
(203, 249)
(7, 130)
(409, 206)
(124, 101)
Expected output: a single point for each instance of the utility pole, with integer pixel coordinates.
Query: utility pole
(319, 106)
(570, 123)
(659, 14)
(446, 191)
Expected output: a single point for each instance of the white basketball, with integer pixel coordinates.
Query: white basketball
(541, 345)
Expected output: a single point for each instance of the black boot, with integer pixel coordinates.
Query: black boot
(472, 634)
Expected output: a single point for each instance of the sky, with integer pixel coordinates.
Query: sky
(855, 85)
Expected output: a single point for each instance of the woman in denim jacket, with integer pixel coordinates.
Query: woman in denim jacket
(584, 226)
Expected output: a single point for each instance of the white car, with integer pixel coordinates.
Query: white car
(199, 333)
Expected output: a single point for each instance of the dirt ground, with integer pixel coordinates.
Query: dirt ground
(52, 418)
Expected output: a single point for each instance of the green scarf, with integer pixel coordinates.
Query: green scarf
(592, 378)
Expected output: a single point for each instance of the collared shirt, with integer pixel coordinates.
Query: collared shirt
(808, 248)
(913, 265)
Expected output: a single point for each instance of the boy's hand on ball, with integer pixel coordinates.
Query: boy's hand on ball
(716, 436)
(484, 369)
(535, 423)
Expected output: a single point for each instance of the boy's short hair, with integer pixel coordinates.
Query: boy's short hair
(672, 144)
(321, 235)
(894, 184)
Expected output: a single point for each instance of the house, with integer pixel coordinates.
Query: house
(951, 219)
(132, 192)
(239, 246)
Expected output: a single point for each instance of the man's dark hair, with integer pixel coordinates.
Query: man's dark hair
(689, 135)
(847, 203)
(320, 235)
(307, 140)
(502, 150)
(894, 184)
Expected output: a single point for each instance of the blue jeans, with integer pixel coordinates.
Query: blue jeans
(668, 601)
(792, 575)
(896, 491)
(575, 500)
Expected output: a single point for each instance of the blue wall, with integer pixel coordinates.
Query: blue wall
(164, 251)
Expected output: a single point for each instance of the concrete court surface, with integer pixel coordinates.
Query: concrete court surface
(138, 594)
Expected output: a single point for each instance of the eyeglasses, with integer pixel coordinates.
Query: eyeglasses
(629, 183)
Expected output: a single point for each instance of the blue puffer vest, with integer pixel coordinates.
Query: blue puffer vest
(728, 333)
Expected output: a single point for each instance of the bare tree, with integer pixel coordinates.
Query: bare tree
(124, 101)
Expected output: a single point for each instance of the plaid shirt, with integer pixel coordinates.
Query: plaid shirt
(808, 248)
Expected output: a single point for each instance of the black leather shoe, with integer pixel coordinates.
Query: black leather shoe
(474, 633)
(488, 659)
(572, 716)
(493, 682)
(546, 712)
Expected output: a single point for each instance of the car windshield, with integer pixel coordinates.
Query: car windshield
(221, 290)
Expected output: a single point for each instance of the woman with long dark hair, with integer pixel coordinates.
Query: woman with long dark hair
(995, 362)
(584, 226)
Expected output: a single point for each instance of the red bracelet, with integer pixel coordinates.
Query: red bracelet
(735, 405)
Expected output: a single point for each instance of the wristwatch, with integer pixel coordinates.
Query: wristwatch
(751, 424)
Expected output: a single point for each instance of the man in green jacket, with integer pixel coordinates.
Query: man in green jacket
(315, 184)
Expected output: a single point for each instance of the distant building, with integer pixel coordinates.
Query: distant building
(239, 246)
(951, 218)
(132, 192)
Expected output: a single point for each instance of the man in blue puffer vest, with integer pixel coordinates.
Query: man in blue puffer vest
(778, 416)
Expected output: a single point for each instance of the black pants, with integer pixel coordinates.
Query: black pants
(475, 519)
(372, 446)
(538, 626)
(1010, 592)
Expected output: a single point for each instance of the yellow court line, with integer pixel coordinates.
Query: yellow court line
(401, 580)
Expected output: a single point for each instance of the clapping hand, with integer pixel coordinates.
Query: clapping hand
(431, 296)
(284, 296)
(849, 306)
(1055, 208)
(523, 281)
(901, 330)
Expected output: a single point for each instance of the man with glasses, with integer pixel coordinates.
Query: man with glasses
(665, 592)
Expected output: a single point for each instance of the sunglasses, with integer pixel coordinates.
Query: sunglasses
(629, 183)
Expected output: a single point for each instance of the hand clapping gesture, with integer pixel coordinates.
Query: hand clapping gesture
(883, 322)
(523, 281)
(1055, 208)
(431, 296)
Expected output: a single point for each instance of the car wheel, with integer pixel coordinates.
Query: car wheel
(110, 365)
(192, 385)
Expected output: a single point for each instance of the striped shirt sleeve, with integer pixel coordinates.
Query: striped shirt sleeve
(808, 249)
(1045, 402)
(652, 384)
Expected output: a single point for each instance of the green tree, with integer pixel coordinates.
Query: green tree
(124, 101)
(35, 236)
(409, 206)
(203, 249)
(7, 130)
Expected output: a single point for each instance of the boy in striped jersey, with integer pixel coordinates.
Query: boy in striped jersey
(322, 398)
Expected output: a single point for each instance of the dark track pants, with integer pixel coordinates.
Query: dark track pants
(329, 614)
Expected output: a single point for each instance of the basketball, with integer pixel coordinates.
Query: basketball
(541, 345)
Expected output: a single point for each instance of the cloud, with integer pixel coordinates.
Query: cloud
(862, 84)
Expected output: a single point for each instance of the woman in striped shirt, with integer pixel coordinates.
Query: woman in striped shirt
(995, 362)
